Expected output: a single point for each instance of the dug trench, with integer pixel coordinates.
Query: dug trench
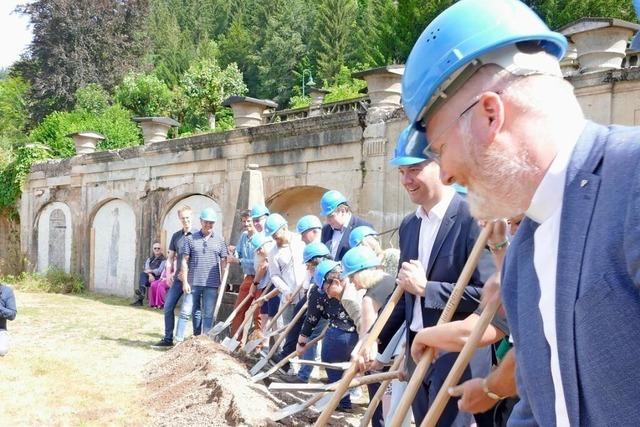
(199, 383)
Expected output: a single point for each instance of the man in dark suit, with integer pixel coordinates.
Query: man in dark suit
(340, 222)
(435, 242)
(511, 129)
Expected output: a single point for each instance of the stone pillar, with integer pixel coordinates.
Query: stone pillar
(248, 112)
(155, 129)
(383, 85)
(317, 98)
(86, 141)
(600, 42)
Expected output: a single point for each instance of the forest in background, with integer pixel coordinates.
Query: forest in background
(95, 64)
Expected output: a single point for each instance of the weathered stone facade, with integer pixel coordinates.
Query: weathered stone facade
(140, 188)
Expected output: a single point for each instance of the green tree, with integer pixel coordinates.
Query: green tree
(557, 13)
(206, 85)
(92, 98)
(14, 111)
(144, 95)
(77, 43)
(334, 31)
(238, 45)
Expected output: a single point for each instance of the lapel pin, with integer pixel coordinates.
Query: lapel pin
(583, 183)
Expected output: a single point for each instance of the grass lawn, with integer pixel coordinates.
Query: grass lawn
(77, 360)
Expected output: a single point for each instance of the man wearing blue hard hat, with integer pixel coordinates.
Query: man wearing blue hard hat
(310, 228)
(259, 214)
(340, 222)
(435, 241)
(484, 83)
(205, 256)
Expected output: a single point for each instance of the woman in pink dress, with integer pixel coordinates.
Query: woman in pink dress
(158, 290)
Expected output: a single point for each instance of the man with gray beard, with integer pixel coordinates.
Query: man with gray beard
(484, 84)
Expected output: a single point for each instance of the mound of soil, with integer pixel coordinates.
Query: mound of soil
(199, 383)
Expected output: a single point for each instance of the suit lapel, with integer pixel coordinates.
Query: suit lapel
(409, 251)
(344, 240)
(443, 231)
(580, 194)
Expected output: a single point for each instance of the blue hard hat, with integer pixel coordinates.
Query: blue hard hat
(322, 269)
(308, 222)
(359, 233)
(208, 214)
(258, 240)
(410, 149)
(259, 210)
(274, 223)
(462, 33)
(358, 259)
(635, 42)
(314, 249)
(330, 201)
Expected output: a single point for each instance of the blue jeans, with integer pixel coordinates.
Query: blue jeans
(170, 303)
(305, 370)
(337, 346)
(204, 300)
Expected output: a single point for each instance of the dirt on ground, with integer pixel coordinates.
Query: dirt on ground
(199, 383)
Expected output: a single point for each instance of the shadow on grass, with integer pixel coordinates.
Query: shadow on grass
(129, 343)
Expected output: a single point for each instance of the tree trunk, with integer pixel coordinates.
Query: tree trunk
(212, 121)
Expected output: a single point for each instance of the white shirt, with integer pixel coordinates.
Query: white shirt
(286, 267)
(336, 237)
(429, 226)
(545, 209)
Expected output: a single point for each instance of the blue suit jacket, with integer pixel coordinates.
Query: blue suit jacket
(343, 247)
(452, 246)
(597, 295)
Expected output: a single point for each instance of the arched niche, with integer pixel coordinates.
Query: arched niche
(296, 202)
(54, 237)
(197, 202)
(113, 249)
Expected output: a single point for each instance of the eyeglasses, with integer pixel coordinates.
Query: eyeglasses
(428, 151)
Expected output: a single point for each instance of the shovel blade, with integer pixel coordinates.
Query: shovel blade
(230, 344)
(258, 366)
(252, 345)
(217, 329)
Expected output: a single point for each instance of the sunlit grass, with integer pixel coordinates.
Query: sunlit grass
(77, 360)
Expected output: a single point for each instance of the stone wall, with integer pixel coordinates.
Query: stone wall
(76, 203)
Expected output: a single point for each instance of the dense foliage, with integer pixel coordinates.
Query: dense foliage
(94, 64)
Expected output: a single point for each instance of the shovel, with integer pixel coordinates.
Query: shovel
(299, 407)
(258, 366)
(251, 345)
(232, 343)
(319, 387)
(284, 361)
(221, 326)
(223, 285)
(343, 366)
(375, 400)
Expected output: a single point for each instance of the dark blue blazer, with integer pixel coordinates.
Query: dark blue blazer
(453, 244)
(343, 247)
(597, 291)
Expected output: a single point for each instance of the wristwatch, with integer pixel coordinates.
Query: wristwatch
(489, 393)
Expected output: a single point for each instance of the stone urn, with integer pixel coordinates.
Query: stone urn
(86, 141)
(383, 85)
(248, 112)
(155, 129)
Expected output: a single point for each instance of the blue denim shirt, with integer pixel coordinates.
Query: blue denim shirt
(246, 252)
(7, 305)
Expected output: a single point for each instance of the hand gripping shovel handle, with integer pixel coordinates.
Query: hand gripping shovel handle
(368, 415)
(343, 385)
(223, 285)
(447, 314)
(438, 405)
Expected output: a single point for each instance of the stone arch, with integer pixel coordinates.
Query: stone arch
(54, 234)
(198, 202)
(295, 202)
(113, 249)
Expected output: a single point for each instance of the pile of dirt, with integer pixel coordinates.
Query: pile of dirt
(199, 383)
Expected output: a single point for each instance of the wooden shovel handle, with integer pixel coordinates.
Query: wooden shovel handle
(373, 404)
(447, 314)
(282, 309)
(438, 405)
(223, 284)
(282, 336)
(350, 373)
